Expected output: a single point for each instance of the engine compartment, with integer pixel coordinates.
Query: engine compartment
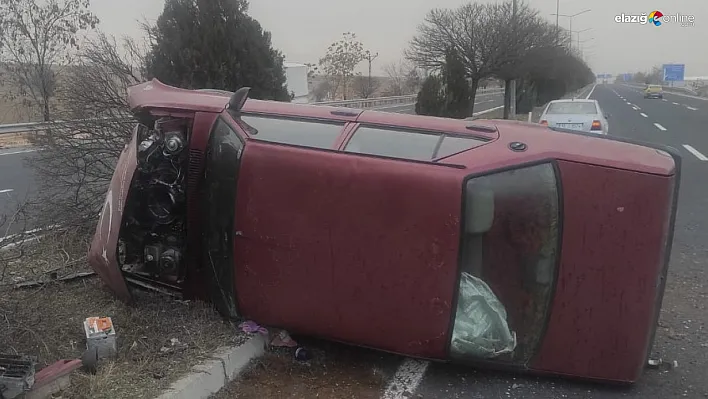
(153, 236)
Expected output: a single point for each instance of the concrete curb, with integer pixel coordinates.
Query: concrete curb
(208, 378)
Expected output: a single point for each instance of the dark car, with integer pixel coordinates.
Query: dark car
(499, 243)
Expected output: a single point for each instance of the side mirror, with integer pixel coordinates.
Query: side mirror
(607, 116)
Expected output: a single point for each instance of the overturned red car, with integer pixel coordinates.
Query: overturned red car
(489, 242)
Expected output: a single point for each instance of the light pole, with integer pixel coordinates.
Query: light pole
(512, 84)
(370, 57)
(578, 33)
(570, 17)
(582, 50)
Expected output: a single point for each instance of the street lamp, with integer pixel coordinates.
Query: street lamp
(578, 33)
(571, 16)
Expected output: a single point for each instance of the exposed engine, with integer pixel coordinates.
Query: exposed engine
(152, 239)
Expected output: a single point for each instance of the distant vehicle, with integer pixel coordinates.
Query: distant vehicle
(575, 114)
(499, 243)
(654, 91)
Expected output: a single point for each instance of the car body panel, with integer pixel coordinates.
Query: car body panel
(593, 228)
(346, 254)
(546, 143)
(370, 250)
(102, 254)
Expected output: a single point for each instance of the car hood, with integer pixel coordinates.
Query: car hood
(155, 94)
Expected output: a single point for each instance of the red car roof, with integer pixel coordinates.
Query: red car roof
(540, 140)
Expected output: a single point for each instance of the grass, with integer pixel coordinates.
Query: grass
(12, 140)
(46, 322)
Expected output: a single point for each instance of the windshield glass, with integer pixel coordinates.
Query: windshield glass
(572, 108)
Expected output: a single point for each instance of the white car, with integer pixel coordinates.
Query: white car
(574, 114)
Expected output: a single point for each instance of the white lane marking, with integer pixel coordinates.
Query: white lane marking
(663, 99)
(658, 126)
(591, 90)
(635, 107)
(675, 103)
(406, 380)
(7, 190)
(486, 111)
(691, 108)
(643, 114)
(17, 152)
(628, 103)
(695, 152)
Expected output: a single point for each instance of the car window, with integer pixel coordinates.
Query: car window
(393, 143)
(301, 132)
(454, 144)
(570, 107)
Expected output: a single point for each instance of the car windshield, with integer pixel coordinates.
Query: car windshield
(570, 107)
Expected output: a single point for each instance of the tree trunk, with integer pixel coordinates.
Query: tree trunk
(507, 98)
(45, 111)
(473, 94)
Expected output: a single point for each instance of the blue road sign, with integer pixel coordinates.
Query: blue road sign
(674, 72)
(627, 77)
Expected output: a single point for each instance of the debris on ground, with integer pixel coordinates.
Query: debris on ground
(45, 322)
(662, 365)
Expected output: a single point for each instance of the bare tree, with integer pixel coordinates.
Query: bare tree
(403, 78)
(323, 90)
(483, 37)
(365, 86)
(36, 40)
(341, 59)
(77, 162)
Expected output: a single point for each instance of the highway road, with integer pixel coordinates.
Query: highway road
(682, 336)
(17, 181)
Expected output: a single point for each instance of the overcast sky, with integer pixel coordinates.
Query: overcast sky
(303, 29)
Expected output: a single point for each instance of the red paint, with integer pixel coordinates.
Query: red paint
(102, 253)
(612, 257)
(332, 247)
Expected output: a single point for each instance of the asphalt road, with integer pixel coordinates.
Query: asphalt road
(682, 335)
(17, 180)
(16, 185)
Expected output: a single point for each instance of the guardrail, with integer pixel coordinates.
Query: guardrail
(366, 103)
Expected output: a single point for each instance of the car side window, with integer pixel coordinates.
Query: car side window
(301, 132)
(454, 144)
(408, 144)
(393, 143)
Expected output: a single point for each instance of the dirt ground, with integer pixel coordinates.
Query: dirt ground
(12, 140)
(334, 371)
(159, 338)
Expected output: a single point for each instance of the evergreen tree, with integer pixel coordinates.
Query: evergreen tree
(430, 100)
(458, 94)
(215, 44)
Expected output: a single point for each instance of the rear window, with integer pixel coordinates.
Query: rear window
(407, 144)
(300, 132)
(572, 108)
